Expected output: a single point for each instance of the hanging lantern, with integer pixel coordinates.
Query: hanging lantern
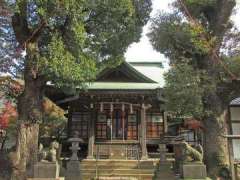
(131, 109)
(101, 107)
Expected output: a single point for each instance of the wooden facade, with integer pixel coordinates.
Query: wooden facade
(122, 108)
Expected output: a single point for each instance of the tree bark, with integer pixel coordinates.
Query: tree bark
(215, 144)
(29, 115)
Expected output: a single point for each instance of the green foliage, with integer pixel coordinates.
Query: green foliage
(233, 63)
(177, 39)
(183, 91)
(200, 8)
(54, 122)
(77, 37)
(62, 67)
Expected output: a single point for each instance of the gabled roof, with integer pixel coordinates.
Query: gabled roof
(122, 86)
(125, 71)
(147, 63)
(235, 102)
(152, 71)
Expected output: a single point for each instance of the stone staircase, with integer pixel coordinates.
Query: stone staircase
(118, 169)
(126, 170)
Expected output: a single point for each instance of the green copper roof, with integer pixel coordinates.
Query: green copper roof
(146, 63)
(155, 73)
(122, 86)
(127, 69)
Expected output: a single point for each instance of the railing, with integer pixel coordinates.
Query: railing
(132, 152)
(110, 151)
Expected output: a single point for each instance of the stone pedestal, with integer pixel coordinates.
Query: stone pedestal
(162, 150)
(73, 171)
(194, 171)
(46, 170)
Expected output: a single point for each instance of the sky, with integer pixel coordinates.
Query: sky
(143, 50)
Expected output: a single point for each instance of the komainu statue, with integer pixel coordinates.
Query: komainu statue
(190, 154)
(48, 154)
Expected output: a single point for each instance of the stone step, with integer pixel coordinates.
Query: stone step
(59, 178)
(117, 178)
(114, 176)
(122, 166)
(164, 172)
(120, 171)
(126, 169)
(117, 162)
(117, 165)
(140, 170)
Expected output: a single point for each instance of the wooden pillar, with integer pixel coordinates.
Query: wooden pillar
(123, 121)
(143, 133)
(165, 125)
(230, 145)
(69, 123)
(91, 134)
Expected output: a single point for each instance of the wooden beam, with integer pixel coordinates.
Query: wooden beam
(143, 133)
(231, 136)
(67, 99)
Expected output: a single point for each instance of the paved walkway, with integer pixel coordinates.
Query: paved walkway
(165, 173)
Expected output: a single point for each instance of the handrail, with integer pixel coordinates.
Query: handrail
(96, 166)
(138, 160)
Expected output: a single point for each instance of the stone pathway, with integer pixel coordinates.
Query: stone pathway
(164, 173)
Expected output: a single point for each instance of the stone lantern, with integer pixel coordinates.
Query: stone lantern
(75, 141)
(73, 166)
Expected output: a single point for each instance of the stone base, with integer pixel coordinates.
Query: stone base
(60, 178)
(73, 171)
(46, 170)
(194, 171)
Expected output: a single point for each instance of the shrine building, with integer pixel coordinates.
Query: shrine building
(120, 115)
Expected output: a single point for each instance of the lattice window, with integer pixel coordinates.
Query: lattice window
(80, 123)
(154, 125)
(101, 126)
(132, 127)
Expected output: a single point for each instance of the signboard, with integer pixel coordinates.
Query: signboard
(157, 118)
(102, 118)
(154, 118)
(132, 118)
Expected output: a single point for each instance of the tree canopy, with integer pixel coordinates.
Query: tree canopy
(69, 40)
(202, 45)
(65, 42)
(191, 47)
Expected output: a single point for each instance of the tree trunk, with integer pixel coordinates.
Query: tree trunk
(26, 150)
(215, 144)
(29, 115)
